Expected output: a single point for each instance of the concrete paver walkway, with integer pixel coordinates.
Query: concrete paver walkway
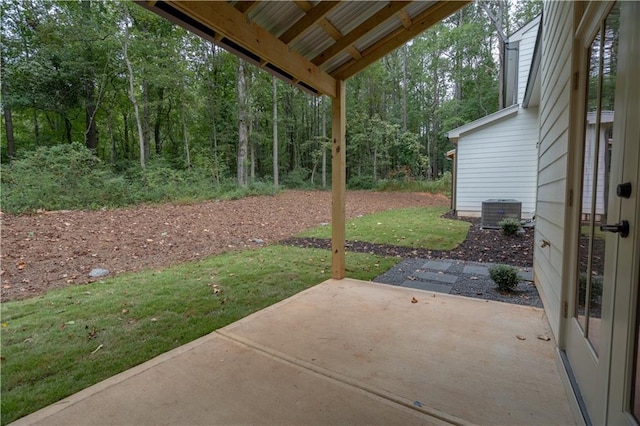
(344, 352)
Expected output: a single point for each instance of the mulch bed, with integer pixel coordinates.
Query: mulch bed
(481, 245)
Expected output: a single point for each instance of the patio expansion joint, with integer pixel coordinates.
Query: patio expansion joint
(339, 379)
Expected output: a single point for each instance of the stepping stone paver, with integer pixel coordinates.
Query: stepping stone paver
(439, 265)
(421, 285)
(434, 276)
(476, 270)
(526, 275)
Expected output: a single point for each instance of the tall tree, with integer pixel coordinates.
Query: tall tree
(276, 180)
(132, 92)
(243, 137)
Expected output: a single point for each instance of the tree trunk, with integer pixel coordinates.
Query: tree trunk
(112, 139)
(185, 137)
(68, 129)
(243, 139)
(405, 59)
(499, 18)
(8, 122)
(134, 101)
(276, 180)
(146, 119)
(125, 121)
(156, 127)
(324, 144)
(91, 130)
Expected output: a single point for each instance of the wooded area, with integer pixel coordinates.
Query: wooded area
(139, 92)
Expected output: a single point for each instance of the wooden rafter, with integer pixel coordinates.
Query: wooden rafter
(397, 38)
(311, 18)
(335, 34)
(245, 7)
(348, 39)
(227, 20)
(405, 19)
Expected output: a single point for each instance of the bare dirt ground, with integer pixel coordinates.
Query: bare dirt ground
(56, 249)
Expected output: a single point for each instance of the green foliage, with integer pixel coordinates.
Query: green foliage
(440, 186)
(510, 226)
(48, 356)
(420, 227)
(361, 182)
(505, 277)
(72, 177)
(297, 178)
(596, 288)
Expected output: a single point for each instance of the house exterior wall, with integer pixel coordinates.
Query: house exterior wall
(498, 161)
(552, 157)
(525, 55)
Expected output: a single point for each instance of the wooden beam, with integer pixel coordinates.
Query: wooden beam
(405, 19)
(345, 42)
(223, 18)
(306, 23)
(338, 181)
(304, 5)
(335, 34)
(397, 38)
(245, 7)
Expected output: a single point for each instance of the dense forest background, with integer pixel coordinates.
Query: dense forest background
(108, 90)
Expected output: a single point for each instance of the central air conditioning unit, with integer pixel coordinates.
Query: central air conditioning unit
(493, 211)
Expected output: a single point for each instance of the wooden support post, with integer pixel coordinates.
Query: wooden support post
(338, 181)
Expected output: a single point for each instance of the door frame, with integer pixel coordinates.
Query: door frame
(627, 297)
(618, 311)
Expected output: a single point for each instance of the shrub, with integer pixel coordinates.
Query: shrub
(596, 288)
(510, 226)
(505, 277)
(361, 182)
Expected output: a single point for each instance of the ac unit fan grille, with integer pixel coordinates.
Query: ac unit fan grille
(493, 211)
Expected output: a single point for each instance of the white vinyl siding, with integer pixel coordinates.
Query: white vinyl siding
(552, 162)
(499, 161)
(525, 55)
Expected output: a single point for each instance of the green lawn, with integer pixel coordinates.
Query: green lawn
(413, 227)
(69, 339)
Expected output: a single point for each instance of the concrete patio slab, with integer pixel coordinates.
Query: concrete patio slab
(344, 352)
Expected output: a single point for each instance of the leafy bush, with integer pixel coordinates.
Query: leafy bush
(60, 177)
(510, 226)
(361, 182)
(297, 178)
(505, 277)
(71, 177)
(440, 186)
(596, 288)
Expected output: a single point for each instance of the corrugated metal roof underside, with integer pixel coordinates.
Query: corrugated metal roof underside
(279, 17)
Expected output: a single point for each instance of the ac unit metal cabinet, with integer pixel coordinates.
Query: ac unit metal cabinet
(493, 211)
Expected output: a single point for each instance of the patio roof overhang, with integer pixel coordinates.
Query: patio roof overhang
(315, 46)
(310, 44)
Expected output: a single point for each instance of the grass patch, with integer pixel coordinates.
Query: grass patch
(48, 341)
(414, 227)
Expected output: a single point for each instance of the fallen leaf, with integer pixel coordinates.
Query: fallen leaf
(414, 300)
(125, 311)
(474, 278)
(544, 337)
(93, 333)
(4, 324)
(154, 319)
(519, 337)
(21, 265)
